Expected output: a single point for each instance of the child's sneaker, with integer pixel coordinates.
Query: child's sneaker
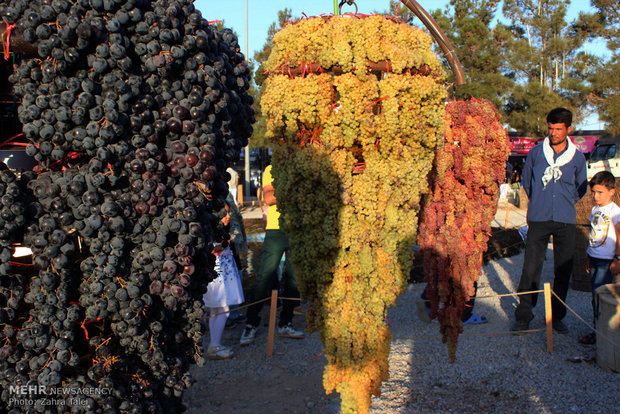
(219, 352)
(248, 335)
(287, 331)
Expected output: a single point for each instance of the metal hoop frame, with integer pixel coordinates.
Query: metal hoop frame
(349, 2)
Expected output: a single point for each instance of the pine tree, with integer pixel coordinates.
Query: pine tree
(258, 137)
(543, 57)
(284, 17)
(467, 23)
(403, 12)
(605, 83)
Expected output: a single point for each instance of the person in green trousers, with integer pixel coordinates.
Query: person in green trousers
(275, 245)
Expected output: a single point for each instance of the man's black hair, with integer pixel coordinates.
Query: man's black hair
(560, 116)
(604, 178)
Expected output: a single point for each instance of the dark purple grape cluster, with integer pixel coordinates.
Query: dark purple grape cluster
(134, 110)
(15, 276)
(13, 207)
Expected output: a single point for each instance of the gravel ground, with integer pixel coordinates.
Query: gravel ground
(495, 372)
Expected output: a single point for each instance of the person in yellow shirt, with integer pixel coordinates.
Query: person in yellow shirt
(275, 245)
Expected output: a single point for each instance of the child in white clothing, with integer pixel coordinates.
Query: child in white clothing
(602, 246)
(223, 291)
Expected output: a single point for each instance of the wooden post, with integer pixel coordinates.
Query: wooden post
(240, 195)
(272, 322)
(507, 214)
(548, 317)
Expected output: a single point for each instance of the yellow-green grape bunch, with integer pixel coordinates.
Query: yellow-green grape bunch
(351, 156)
(350, 43)
(469, 166)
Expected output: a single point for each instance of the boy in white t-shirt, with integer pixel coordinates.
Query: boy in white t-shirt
(604, 228)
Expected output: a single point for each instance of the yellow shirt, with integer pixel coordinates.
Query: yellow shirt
(273, 215)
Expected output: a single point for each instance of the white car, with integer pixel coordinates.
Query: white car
(605, 157)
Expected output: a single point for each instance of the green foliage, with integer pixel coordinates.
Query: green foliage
(527, 108)
(258, 137)
(605, 93)
(544, 50)
(608, 14)
(538, 45)
(402, 11)
(467, 23)
(284, 16)
(605, 85)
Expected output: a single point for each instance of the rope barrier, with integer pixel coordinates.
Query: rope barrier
(240, 307)
(478, 297)
(402, 301)
(510, 294)
(598, 333)
(274, 297)
(284, 298)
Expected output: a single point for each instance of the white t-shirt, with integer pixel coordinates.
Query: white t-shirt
(602, 244)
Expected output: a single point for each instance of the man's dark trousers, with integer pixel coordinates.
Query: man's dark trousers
(274, 246)
(538, 234)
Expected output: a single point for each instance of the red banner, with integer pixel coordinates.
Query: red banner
(585, 143)
(523, 145)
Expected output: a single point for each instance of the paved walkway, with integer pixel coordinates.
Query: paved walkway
(509, 216)
(251, 212)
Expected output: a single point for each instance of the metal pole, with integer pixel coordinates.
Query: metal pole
(335, 7)
(246, 185)
(440, 38)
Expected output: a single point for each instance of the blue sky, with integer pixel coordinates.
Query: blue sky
(261, 13)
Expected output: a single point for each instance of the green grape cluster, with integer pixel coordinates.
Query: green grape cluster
(350, 162)
(350, 43)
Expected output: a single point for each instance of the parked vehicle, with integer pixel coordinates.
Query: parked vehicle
(605, 157)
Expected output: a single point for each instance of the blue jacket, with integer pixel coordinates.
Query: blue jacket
(557, 201)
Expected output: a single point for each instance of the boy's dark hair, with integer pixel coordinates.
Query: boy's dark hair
(604, 178)
(560, 116)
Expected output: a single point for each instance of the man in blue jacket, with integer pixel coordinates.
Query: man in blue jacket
(554, 178)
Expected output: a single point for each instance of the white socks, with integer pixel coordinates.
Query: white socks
(217, 322)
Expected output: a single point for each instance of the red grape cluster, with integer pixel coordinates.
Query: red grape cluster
(469, 166)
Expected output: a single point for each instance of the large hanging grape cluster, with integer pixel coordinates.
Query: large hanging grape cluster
(134, 110)
(469, 166)
(14, 275)
(353, 147)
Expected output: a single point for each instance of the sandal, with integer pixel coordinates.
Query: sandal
(475, 320)
(219, 352)
(589, 339)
